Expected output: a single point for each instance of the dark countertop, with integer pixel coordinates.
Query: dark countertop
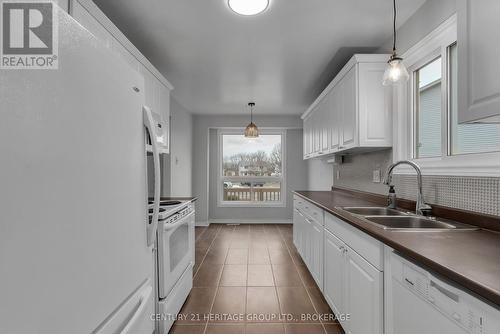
(469, 258)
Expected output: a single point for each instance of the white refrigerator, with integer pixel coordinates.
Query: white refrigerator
(74, 254)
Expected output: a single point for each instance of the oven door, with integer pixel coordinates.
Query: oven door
(175, 248)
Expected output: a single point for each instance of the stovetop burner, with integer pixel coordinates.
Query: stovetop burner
(169, 203)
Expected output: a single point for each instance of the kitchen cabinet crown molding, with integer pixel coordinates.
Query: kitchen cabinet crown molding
(355, 59)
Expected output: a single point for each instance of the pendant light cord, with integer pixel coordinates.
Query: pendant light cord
(251, 105)
(394, 28)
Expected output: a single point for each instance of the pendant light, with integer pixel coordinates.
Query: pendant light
(251, 130)
(396, 72)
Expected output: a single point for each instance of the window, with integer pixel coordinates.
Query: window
(428, 110)
(251, 170)
(427, 128)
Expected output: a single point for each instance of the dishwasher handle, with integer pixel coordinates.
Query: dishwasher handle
(445, 291)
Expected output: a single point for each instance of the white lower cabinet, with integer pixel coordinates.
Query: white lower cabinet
(316, 258)
(364, 295)
(334, 277)
(347, 265)
(306, 242)
(298, 234)
(308, 233)
(353, 288)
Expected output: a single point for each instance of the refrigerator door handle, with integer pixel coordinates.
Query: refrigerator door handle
(143, 302)
(150, 126)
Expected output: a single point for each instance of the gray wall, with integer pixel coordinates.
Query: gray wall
(357, 171)
(320, 175)
(181, 151)
(296, 170)
(201, 153)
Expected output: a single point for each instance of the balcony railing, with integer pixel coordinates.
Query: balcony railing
(257, 194)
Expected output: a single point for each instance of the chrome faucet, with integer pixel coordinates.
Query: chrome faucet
(422, 208)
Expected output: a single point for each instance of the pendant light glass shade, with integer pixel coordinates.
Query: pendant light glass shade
(396, 72)
(251, 131)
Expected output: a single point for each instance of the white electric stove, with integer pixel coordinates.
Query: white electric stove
(174, 260)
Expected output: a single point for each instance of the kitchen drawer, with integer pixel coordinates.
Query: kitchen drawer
(308, 209)
(314, 212)
(369, 248)
(299, 203)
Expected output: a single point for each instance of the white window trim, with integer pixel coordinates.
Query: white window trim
(220, 178)
(479, 164)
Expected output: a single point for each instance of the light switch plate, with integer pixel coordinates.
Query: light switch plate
(376, 176)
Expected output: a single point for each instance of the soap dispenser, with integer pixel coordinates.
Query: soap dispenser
(391, 198)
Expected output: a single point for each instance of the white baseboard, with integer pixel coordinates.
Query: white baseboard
(250, 221)
(205, 223)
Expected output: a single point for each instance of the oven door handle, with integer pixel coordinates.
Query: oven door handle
(168, 227)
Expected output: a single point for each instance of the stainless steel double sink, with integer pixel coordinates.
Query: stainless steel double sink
(391, 219)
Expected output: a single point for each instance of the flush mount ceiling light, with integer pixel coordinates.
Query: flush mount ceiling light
(396, 72)
(251, 131)
(248, 7)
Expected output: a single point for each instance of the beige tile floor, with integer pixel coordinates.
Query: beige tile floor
(250, 279)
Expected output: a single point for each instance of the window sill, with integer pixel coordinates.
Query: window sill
(251, 205)
(479, 165)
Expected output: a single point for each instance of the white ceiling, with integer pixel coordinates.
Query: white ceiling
(281, 59)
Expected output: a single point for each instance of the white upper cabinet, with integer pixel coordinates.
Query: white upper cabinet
(353, 113)
(348, 112)
(156, 87)
(335, 118)
(375, 107)
(478, 68)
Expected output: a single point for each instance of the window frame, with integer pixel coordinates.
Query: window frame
(432, 46)
(221, 178)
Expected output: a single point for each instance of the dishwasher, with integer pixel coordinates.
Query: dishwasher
(422, 302)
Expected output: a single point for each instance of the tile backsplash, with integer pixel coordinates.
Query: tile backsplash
(478, 194)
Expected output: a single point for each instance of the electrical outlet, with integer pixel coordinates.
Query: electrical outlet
(376, 176)
(338, 174)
